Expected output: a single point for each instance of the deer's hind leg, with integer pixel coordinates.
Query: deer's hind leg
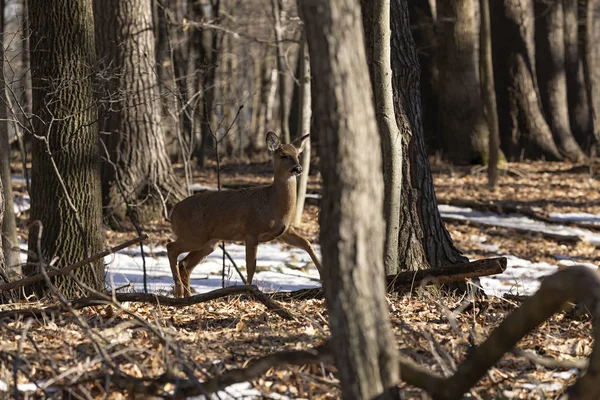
(295, 239)
(187, 265)
(174, 249)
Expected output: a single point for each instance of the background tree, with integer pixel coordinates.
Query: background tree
(523, 127)
(423, 238)
(550, 57)
(9, 225)
(351, 167)
(464, 129)
(130, 113)
(65, 162)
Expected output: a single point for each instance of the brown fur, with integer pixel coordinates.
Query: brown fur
(253, 216)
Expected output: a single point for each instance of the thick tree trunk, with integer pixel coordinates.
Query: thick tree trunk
(352, 205)
(304, 114)
(423, 19)
(464, 130)
(423, 238)
(130, 116)
(69, 206)
(376, 22)
(579, 111)
(591, 61)
(488, 91)
(525, 132)
(9, 225)
(550, 57)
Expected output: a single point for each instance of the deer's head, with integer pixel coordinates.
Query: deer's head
(285, 156)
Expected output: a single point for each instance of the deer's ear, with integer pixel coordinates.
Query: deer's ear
(273, 141)
(300, 142)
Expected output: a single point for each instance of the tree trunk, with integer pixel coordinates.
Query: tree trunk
(5, 297)
(424, 25)
(550, 58)
(277, 6)
(25, 59)
(352, 204)
(69, 206)
(9, 225)
(166, 79)
(424, 240)
(579, 111)
(139, 167)
(304, 114)
(591, 59)
(376, 22)
(488, 91)
(525, 132)
(464, 130)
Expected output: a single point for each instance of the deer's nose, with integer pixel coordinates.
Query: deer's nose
(297, 169)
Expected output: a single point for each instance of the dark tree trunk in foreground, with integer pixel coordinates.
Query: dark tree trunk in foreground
(69, 207)
(579, 111)
(550, 56)
(130, 114)
(591, 58)
(352, 204)
(525, 132)
(464, 130)
(376, 23)
(424, 240)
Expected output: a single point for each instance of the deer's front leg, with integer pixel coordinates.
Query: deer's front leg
(251, 247)
(295, 239)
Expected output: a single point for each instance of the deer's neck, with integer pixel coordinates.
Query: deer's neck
(284, 197)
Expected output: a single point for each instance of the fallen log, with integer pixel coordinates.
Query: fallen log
(408, 279)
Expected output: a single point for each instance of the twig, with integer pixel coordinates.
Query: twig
(157, 299)
(39, 277)
(550, 362)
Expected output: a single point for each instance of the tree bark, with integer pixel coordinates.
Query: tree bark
(9, 225)
(65, 170)
(464, 130)
(130, 114)
(376, 22)
(591, 52)
(352, 205)
(277, 6)
(550, 57)
(424, 240)
(25, 59)
(525, 132)
(304, 117)
(579, 111)
(488, 91)
(5, 297)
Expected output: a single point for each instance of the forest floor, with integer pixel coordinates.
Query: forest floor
(58, 353)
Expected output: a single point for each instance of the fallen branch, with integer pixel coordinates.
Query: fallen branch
(447, 274)
(156, 299)
(408, 279)
(63, 271)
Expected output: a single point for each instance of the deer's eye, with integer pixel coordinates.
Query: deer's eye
(284, 156)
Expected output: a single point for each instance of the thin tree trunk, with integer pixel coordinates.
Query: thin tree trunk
(488, 91)
(376, 21)
(25, 59)
(69, 206)
(579, 111)
(352, 204)
(277, 6)
(9, 225)
(304, 117)
(550, 57)
(424, 240)
(130, 116)
(522, 124)
(5, 297)
(464, 130)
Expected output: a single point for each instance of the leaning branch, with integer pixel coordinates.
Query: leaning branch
(156, 299)
(63, 271)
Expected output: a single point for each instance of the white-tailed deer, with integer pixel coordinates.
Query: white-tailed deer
(253, 215)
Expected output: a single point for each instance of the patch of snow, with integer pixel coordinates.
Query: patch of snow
(575, 217)
(21, 203)
(544, 386)
(565, 374)
(243, 390)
